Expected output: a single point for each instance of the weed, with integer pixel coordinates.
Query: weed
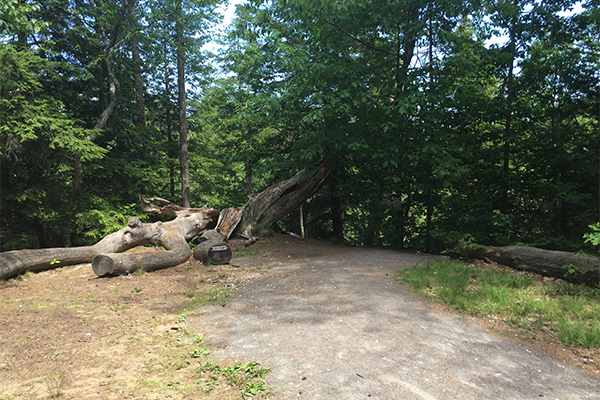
(222, 276)
(55, 385)
(139, 270)
(247, 251)
(174, 385)
(136, 290)
(571, 271)
(197, 353)
(255, 387)
(215, 296)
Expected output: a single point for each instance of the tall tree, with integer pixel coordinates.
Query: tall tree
(183, 141)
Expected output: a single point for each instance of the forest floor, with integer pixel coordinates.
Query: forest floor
(328, 320)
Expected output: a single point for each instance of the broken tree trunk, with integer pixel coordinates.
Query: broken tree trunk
(187, 224)
(265, 209)
(271, 205)
(558, 264)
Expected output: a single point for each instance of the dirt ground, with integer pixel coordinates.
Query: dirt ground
(66, 333)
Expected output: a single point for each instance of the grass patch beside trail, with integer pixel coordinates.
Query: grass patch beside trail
(216, 296)
(562, 310)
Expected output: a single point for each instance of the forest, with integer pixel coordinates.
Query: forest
(442, 120)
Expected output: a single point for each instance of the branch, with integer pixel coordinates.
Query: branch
(366, 44)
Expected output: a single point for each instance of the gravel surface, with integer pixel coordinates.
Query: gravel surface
(331, 323)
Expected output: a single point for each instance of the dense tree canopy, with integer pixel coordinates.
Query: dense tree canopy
(444, 120)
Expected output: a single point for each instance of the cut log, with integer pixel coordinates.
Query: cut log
(19, 261)
(558, 264)
(217, 251)
(212, 247)
(177, 252)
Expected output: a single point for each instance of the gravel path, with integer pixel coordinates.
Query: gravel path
(333, 324)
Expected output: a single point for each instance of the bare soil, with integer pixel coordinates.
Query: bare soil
(66, 333)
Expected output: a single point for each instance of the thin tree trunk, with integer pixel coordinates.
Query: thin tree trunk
(248, 168)
(508, 119)
(137, 74)
(114, 87)
(301, 210)
(429, 225)
(183, 145)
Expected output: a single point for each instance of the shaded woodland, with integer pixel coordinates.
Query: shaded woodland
(443, 121)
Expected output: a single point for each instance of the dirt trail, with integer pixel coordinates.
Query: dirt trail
(333, 324)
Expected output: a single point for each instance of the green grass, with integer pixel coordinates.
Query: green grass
(563, 310)
(216, 296)
(246, 252)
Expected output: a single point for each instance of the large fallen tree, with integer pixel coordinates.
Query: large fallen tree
(107, 255)
(571, 267)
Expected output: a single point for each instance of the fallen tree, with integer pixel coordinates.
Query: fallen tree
(107, 255)
(571, 267)
(187, 224)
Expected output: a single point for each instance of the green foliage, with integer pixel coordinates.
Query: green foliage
(593, 237)
(427, 146)
(527, 303)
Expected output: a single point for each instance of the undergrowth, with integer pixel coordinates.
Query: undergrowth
(562, 310)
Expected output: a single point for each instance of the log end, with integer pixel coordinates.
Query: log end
(216, 251)
(220, 254)
(103, 265)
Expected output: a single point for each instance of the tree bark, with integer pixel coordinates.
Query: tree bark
(137, 73)
(267, 208)
(183, 143)
(271, 204)
(558, 264)
(189, 222)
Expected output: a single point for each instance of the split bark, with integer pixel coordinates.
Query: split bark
(272, 204)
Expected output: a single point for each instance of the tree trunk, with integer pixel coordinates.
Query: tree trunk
(510, 87)
(187, 224)
(271, 204)
(558, 264)
(183, 144)
(177, 252)
(267, 208)
(137, 73)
